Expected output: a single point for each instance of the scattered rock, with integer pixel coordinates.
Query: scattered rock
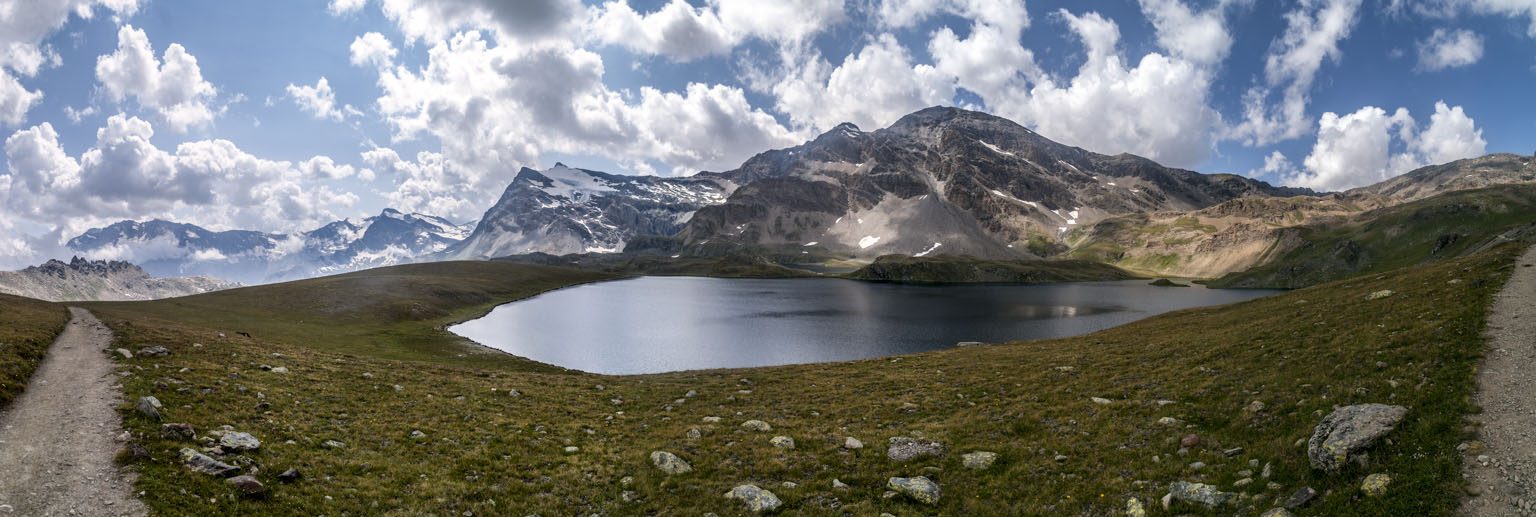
(1133, 508)
(670, 463)
(333, 444)
(755, 499)
(838, 484)
(1299, 499)
(572, 449)
(711, 420)
(239, 441)
(1232, 452)
(514, 393)
(177, 432)
(248, 486)
(1255, 406)
(417, 434)
(978, 460)
(1101, 401)
(1277, 512)
(1198, 493)
(152, 351)
(1375, 484)
(694, 433)
(903, 448)
(200, 462)
(920, 489)
(782, 442)
(1197, 465)
(756, 425)
(969, 343)
(1168, 421)
(1190, 440)
(279, 369)
(851, 443)
(1380, 294)
(125, 353)
(691, 394)
(1348, 431)
(289, 476)
(791, 485)
(149, 406)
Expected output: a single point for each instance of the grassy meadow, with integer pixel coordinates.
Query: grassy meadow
(27, 327)
(368, 363)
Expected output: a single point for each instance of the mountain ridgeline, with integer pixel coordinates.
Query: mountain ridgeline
(100, 280)
(941, 181)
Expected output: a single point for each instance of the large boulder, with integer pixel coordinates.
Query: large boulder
(248, 486)
(1198, 493)
(978, 460)
(904, 448)
(756, 500)
(670, 463)
(1347, 432)
(920, 489)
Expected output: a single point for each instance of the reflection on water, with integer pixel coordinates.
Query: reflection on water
(657, 324)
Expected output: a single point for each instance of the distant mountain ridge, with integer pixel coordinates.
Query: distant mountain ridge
(947, 180)
(166, 248)
(563, 210)
(100, 280)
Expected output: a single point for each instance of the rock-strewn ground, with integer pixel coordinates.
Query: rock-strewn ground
(1502, 468)
(57, 439)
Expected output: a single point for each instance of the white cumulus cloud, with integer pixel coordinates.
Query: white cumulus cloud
(1369, 146)
(23, 27)
(173, 87)
(373, 49)
(319, 100)
(1449, 49)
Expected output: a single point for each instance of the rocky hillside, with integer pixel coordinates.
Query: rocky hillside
(1471, 173)
(564, 210)
(165, 248)
(99, 280)
(1246, 233)
(947, 180)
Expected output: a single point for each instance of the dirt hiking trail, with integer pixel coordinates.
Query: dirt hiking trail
(57, 440)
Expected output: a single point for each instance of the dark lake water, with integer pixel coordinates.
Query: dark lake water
(662, 324)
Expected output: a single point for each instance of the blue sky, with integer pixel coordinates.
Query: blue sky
(433, 106)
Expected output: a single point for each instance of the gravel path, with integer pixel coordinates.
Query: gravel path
(1503, 473)
(57, 439)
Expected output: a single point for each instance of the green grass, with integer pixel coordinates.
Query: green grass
(492, 454)
(1436, 228)
(395, 313)
(27, 327)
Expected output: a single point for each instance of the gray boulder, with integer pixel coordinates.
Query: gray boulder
(149, 406)
(756, 425)
(905, 448)
(670, 463)
(978, 460)
(177, 431)
(782, 442)
(154, 351)
(240, 441)
(248, 486)
(1348, 431)
(920, 489)
(756, 500)
(1198, 493)
(1299, 499)
(200, 462)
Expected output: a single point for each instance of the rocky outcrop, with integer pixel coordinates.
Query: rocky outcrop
(1346, 433)
(100, 280)
(754, 499)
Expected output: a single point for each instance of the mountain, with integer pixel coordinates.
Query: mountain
(99, 280)
(1281, 233)
(166, 248)
(944, 180)
(564, 210)
(1471, 173)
